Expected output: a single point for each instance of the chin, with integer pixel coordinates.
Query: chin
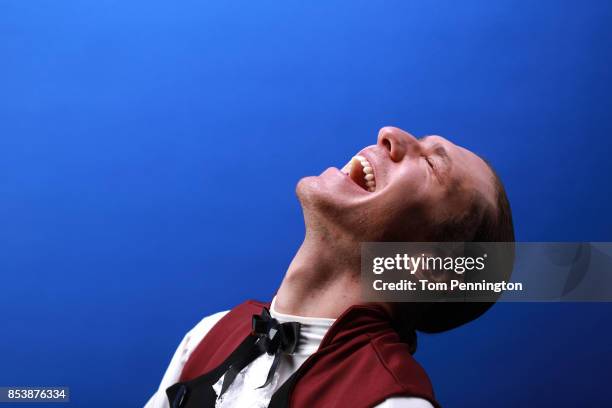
(305, 187)
(323, 205)
(311, 193)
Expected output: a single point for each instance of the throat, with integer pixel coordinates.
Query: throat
(316, 292)
(323, 278)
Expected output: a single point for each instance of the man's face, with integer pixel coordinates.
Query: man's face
(399, 189)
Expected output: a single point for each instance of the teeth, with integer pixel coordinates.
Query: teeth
(366, 168)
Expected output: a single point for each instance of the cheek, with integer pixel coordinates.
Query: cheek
(399, 217)
(408, 193)
(408, 208)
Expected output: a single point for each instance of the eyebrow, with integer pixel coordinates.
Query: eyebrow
(440, 149)
(437, 147)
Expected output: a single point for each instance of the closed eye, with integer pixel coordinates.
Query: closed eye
(429, 161)
(434, 171)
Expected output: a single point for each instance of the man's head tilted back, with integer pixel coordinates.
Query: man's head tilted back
(409, 189)
(317, 328)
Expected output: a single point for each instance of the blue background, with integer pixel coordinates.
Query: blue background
(149, 153)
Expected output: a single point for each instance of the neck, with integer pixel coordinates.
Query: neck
(323, 278)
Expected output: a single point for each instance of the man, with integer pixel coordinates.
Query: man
(320, 345)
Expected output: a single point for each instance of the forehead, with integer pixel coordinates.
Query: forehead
(467, 168)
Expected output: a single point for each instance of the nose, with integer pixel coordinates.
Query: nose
(398, 142)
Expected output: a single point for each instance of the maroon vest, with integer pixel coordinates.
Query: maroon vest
(360, 363)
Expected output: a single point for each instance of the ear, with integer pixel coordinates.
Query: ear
(436, 274)
(435, 265)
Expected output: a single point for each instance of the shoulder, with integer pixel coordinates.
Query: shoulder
(194, 336)
(197, 333)
(406, 372)
(399, 362)
(181, 355)
(206, 324)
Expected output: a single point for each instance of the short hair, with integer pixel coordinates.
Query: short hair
(495, 225)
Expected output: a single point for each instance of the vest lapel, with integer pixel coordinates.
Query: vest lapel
(199, 392)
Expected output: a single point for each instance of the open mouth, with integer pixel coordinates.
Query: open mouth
(361, 172)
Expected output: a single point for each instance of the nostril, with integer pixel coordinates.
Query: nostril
(387, 143)
(393, 140)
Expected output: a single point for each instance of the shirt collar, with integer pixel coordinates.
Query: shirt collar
(312, 331)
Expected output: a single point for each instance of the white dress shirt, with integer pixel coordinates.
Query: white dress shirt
(244, 391)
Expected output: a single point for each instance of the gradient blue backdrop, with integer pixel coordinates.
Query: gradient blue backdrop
(149, 153)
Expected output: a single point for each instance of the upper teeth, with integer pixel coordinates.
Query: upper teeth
(366, 167)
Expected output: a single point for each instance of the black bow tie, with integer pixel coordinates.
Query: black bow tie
(273, 338)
